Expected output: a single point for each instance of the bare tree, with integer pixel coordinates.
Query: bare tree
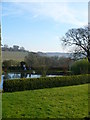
(79, 38)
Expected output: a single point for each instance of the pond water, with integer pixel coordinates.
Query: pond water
(12, 76)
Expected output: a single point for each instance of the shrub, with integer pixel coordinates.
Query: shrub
(81, 67)
(43, 82)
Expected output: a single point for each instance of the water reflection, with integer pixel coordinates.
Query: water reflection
(23, 75)
(12, 76)
(16, 75)
(6, 76)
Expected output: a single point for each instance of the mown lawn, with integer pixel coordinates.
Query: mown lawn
(62, 102)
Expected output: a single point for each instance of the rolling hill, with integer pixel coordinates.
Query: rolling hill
(20, 55)
(13, 55)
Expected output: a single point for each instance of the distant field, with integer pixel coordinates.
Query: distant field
(62, 102)
(13, 55)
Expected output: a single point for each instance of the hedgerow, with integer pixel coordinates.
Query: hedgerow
(44, 82)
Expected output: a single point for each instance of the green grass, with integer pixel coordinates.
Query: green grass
(62, 102)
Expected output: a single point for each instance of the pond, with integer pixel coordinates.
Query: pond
(12, 76)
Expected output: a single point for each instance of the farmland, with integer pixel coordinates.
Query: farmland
(13, 55)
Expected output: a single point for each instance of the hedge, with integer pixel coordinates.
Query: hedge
(80, 67)
(43, 82)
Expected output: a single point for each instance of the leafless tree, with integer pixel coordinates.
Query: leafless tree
(80, 38)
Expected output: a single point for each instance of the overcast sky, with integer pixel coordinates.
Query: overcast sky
(38, 26)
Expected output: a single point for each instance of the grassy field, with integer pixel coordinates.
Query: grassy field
(62, 102)
(13, 55)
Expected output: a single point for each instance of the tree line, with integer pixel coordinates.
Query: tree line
(41, 64)
(14, 48)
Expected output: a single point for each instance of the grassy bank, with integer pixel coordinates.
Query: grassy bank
(64, 102)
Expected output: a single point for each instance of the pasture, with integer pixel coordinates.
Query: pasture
(14, 55)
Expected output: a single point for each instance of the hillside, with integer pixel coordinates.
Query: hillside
(13, 55)
(58, 54)
(20, 55)
(52, 54)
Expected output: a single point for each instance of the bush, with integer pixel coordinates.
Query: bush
(80, 67)
(43, 82)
